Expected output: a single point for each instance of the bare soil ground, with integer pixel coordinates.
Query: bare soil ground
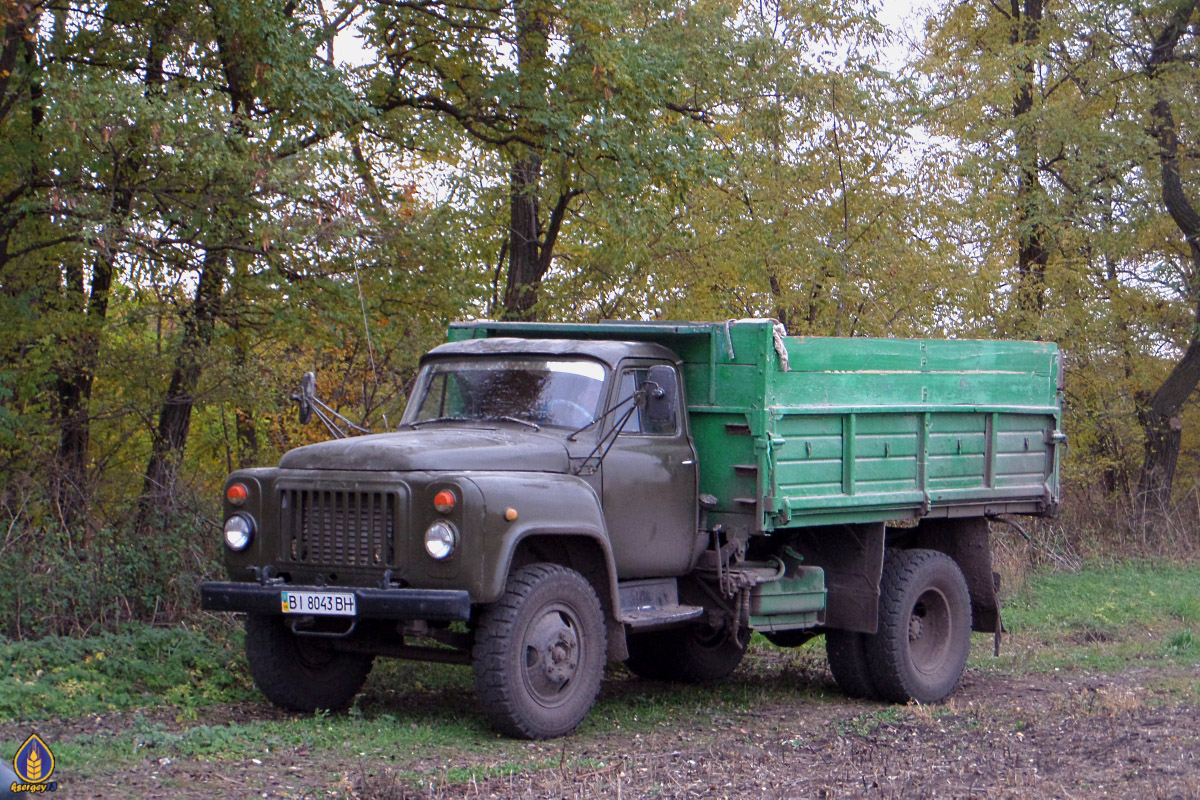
(1059, 735)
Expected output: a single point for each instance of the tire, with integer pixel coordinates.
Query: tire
(924, 636)
(847, 654)
(539, 653)
(648, 655)
(695, 654)
(301, 673)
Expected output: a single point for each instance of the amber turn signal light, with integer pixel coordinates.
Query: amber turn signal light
(444, 501)
(237, 494)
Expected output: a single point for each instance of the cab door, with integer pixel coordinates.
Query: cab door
(649, 479)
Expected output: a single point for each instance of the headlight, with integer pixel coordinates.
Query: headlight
(440, 540)
(239, 530)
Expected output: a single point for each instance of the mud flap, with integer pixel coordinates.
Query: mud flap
(852, 557)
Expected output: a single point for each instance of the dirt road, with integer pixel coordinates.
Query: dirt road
(1131, 735)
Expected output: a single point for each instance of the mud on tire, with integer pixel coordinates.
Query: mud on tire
(924, 627)
(301, 673)
(539, 653)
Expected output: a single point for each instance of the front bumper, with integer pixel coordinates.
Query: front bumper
(440, 605)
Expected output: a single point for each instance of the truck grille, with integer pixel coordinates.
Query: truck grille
(335, 528)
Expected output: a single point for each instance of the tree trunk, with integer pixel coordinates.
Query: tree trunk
(1033, 251)
(244, 419)
(78, 373)
(524, 252)
(1160, 416)
(175, 415)
(76, 377)
(526, 265)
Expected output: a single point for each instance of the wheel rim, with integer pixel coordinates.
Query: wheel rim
(929, 632)
(552, 652)
(311, 655)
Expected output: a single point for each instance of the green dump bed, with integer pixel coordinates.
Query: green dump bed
(797, 431)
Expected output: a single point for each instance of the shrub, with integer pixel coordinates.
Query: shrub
(55, 581)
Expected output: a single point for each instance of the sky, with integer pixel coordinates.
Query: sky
(902, 16)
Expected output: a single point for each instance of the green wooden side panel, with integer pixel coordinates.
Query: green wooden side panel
(856, 429)
(965, 426)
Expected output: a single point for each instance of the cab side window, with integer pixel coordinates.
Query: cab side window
(639, 422)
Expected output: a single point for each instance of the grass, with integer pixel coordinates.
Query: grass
(1102, 619)
(174, 688)
(59, 676)
(1112, 600)
(441, 730)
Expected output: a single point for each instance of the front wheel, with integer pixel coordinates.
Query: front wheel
(301, 673)
(924, 634)
(539, 653)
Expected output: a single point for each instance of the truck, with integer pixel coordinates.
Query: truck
(560, 496)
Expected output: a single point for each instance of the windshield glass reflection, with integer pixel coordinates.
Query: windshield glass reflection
(556, 392)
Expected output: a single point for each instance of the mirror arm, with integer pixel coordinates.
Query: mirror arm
(609, 439)
(571, 436)
(310, 404)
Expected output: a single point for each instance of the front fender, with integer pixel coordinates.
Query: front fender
(544, 505)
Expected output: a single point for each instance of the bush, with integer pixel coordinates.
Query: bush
(53, 580)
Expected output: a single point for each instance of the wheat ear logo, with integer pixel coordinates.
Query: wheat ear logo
(34, 764)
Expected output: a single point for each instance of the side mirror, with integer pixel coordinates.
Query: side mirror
(661, 397)
(305, 397)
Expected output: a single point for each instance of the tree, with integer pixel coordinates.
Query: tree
(1173, 81)
(818, 218)
(1068, 168)
(179, 130)
(600, 102)
(279, 101)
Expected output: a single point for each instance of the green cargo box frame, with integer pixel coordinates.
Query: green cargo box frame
(797, 431)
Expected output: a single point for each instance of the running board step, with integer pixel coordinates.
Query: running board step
(654, 603)
(667, 617)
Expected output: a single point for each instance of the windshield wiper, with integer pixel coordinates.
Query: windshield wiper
(518, 420)
(421, 422)
(533, 425)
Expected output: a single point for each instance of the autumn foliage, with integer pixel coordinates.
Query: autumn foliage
(201, 201)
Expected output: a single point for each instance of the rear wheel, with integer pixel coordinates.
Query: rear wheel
(539, 653)
(695, 654)
(924, 627)
(301, 673)
(847, 654)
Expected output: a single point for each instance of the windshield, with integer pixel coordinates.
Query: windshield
(543, 391)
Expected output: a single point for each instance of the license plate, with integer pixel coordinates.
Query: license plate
(337, 604)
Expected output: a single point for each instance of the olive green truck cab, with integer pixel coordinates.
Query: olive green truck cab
(559, 496)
